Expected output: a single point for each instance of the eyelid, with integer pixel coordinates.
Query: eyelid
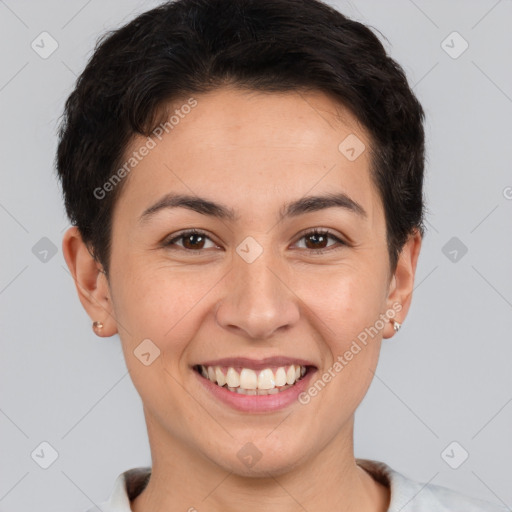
(321, 231)
(169, 241)
(324, 232)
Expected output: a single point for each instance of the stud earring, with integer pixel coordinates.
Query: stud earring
(97, 326)
(396, 325)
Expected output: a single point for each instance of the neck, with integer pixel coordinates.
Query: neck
(182, 479)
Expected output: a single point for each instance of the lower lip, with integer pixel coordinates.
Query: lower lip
(257, 403)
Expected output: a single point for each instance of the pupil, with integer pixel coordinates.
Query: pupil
(191, 236)
(317, 237)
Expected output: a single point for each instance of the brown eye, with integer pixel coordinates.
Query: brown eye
(191, 241)
(316, 241)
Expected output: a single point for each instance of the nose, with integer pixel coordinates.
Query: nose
(257, 301)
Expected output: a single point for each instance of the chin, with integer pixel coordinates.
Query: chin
(258, 459)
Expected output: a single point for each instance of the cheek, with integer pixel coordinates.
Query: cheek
(346, 304)
(161, 302)
(346, 299)
(156, 304)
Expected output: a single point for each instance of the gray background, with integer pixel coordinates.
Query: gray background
(445, 377)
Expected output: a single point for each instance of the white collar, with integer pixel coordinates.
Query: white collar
(406, 495)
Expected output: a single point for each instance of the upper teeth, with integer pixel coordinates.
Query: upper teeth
(249, 379)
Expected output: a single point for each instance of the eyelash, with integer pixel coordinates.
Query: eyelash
(314, 232)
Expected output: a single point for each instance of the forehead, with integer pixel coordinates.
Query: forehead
(249, 149)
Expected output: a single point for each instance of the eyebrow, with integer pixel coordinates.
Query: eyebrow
(293, 209)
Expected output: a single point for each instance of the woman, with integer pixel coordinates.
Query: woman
(245, 183)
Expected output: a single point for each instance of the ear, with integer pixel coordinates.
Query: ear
(90, 281)
(402, 282)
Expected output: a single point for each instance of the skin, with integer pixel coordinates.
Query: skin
(252, 152)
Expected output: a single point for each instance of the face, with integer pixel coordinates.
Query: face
(269, 280)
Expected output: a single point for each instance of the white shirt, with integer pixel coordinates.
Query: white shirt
(406, 495)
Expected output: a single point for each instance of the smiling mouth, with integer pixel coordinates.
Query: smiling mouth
(245, 381)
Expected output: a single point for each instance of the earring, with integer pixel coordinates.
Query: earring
(97, 326)
(396, 325)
